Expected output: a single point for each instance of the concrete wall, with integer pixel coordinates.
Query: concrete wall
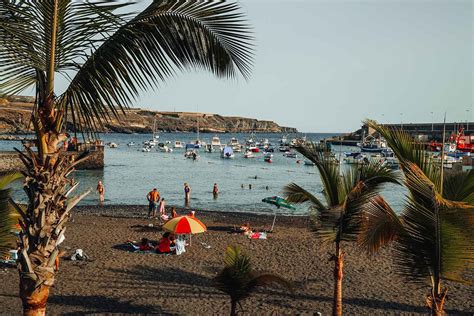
(10, 161)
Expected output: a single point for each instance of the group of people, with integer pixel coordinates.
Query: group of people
(166, 245)
(155, 201)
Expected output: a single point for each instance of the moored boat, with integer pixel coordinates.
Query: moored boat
(178, 144)
(227, 153)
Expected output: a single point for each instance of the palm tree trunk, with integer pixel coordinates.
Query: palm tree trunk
(437, 300)
(233, 308)
(34, 299)
(43, 225)
(338, 265)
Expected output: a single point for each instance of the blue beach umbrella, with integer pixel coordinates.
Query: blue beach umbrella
(279, 202)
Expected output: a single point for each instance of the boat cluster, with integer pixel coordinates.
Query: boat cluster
(249, 149)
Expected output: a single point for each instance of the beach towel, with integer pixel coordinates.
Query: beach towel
(180, 246)
(258, 235)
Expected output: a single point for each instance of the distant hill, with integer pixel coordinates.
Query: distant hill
(15, 117)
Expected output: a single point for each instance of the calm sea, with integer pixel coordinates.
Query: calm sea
(130, 174)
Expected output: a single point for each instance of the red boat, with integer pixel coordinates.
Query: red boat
(457, 142)
(463, 143)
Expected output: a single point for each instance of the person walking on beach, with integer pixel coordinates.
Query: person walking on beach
(153, 198)
(101, 191)
(187, 194)
(215, 191)
(162, 207)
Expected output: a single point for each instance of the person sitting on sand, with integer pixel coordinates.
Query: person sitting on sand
(164, 246)
(174, 213)
(245, 228)
(144, 245)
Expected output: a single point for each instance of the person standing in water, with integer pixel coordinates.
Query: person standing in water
(101, 191)
(215, 191)
(187, 194)
(162, 207)
(153, 198)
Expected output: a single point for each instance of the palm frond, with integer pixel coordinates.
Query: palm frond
(437, 236)
(8, 178)
(408, 150)
(360, 185)
(25, 37)
(381, 226)
(7, 214)
(238, 280)
(265, 279)
(296, 194)
(459, 186)
(329, 172)
(165, 37)
(19, 55)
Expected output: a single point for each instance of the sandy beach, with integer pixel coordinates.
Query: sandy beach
(118, 281)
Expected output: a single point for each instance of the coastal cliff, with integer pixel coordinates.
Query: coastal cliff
(15, 116)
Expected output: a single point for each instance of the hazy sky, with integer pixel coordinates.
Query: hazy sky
(324, 66)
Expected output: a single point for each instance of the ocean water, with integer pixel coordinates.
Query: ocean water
(130, 174)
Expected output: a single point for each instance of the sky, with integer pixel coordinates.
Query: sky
(324, 66)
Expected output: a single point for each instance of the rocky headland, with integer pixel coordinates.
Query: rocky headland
(15, 118)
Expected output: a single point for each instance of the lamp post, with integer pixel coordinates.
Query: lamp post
(432, 122)
(467, 119)
(401, 119)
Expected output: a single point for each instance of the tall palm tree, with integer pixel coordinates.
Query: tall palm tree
(340, 218)
(108, 58)
(239, 280)
(7, 214)
(432, 237)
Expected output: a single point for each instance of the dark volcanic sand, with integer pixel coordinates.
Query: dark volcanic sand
(117, 281)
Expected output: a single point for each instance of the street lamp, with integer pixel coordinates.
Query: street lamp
(432, 122)
(467, 120)
(401, 119)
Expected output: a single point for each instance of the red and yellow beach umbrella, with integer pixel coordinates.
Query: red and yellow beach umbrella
(184, 225)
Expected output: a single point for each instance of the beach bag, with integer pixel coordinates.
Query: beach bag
(79, 254)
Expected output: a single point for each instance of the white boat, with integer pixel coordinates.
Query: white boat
(227, 153)
(113, 145)
(146, 149)
(234, 143)
(178, 144)
(191, 152)
(248, 154)
(130, 144)
(290, 154)
(165, 149)
(356, 159)
(216, 143)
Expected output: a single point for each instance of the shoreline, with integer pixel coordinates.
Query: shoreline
(140, 212)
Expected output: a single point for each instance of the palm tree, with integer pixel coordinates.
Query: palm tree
(340, 219)
(108, 58)
(7, 214)
(432, 237)
(239, 280)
